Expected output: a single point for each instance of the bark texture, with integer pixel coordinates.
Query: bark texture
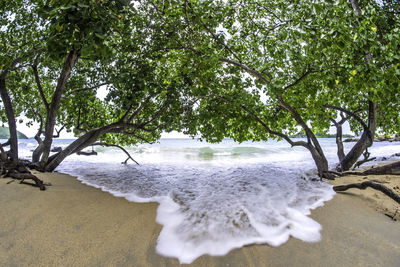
(363, 143)
(68, 66)
(13, 153)
(312, 142)
(79, 144)
(391, 168)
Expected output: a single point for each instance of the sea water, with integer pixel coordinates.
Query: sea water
(215, 197)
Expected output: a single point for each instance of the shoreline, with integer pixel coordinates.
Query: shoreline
(73, 224)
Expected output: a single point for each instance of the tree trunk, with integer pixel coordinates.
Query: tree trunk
(39, 149)
(3, 154)
(365, 141)
(313, 144)
(69, 64)
(321, 162)
(11, 119)
(82, 142)
(339, 142)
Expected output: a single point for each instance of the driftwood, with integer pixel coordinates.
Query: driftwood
(56, 149)
(377, 186)
(84, 153)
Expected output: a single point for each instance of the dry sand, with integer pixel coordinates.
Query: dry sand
(72, 224)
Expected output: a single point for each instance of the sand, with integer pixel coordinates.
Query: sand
(373, 198)
(72, 224)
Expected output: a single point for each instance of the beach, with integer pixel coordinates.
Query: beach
(72, 224)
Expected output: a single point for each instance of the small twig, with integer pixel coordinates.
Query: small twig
(58, 132)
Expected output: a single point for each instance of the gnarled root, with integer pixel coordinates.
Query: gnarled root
(377, 186)
(391, 168)
(26, 176)
(19, 171)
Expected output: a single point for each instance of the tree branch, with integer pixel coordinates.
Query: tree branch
(132, 133)
(303, 76)
(142, 105)
(16, 61)
(269, 11)
(38, 83)
(247, 69)
(39, 149)
(156, 116)
(352, 114)
(78, 120)
(86, 89)
(296, 116)
(7, 143)
(58, 132)
(356, 7)
(120, 147)
(262, 123)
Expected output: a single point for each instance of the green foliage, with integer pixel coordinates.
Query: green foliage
(312, 53)
(80, 25)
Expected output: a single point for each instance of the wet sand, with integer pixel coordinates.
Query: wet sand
(72, 224)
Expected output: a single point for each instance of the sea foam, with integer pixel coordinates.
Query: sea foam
(213, 209)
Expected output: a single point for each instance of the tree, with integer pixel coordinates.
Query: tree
(84, 47)
(16, 46)
(373, 75)
(294, 65)
(246, 70)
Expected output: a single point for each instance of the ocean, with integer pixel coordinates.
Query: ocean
(215, 197)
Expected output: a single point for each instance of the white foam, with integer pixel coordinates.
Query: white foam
(214, 210)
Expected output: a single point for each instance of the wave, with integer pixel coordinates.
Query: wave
(211, 211)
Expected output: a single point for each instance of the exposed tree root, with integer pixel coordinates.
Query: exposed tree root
(328, 175)
(391, 168)
(27, 176)
(18, 170)
(377, 186)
